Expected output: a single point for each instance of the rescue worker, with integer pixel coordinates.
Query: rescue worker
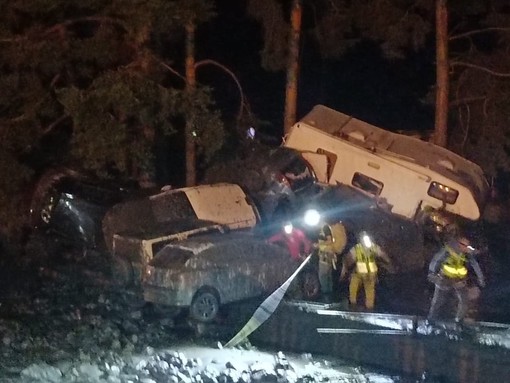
(448, 270)
(296, 241)
(331, 244)
(364, 256)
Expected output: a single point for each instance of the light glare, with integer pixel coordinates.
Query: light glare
(312, 217)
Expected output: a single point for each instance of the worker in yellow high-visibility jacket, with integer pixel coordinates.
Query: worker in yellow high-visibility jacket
(448, 270)
(364, 256)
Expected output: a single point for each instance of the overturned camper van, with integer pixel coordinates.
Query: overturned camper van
(407, 175)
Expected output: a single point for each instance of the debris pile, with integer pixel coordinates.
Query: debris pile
(68, 327)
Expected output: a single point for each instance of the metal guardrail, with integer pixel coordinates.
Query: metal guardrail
(474, 353)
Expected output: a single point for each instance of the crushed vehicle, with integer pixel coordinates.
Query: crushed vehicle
(402, 239)
(136, 229)
(66, 212)
(407, 177)
(205, 272)
(278, 179)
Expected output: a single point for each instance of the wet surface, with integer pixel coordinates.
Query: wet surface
(70, 316)
(69, 324)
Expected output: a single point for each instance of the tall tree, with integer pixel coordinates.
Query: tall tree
(292, 67)
(95, 81)
(480, 85)
(460, 29)
(280, 46)
(191, 83)
(442, 70)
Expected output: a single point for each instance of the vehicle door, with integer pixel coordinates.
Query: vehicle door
(232, 270)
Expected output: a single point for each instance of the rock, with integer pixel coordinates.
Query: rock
(114, 370)
(91, 371)
(42, 372)
(6, 340)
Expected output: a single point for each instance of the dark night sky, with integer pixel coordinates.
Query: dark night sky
(362, 83)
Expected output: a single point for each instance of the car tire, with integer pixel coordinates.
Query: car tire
(205, 305)
(310, 285)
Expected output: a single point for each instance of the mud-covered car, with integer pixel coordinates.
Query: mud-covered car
(66, 211)
(204, 272)
(136, 229)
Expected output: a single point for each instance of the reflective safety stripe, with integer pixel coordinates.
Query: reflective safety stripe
(365, 260)
(366, 267)
(462, 272)
(455, 264)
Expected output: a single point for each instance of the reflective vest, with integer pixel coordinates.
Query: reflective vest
(454, 265)
(339, 239)
(365, 260)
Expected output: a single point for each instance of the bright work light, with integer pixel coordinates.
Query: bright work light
(312, 217)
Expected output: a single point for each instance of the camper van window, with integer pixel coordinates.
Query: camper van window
(332, 157)
(367, 184)
(443, 192)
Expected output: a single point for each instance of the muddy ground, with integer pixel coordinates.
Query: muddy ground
(69, 323)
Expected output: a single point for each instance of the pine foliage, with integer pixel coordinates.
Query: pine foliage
(96, 80)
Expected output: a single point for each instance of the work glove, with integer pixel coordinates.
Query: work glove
(432, 277)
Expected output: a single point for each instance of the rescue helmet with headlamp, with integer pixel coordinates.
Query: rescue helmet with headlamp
(365, 239)
(287, 228)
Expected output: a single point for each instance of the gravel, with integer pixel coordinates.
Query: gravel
(70, 325)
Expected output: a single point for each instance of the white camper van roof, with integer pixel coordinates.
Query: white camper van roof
(406, 148)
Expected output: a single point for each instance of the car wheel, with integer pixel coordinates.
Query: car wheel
(205, 305)
(310, 285)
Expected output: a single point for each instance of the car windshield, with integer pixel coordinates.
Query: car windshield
(171, 257)
(171, 206)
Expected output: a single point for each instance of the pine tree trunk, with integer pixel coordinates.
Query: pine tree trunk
(189, 132)
(442, 81)
(292, 67)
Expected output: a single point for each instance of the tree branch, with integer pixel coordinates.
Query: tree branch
(101, 19)
(477, 32)
(241, 93)
(467, 100)
(169, 68)
(481, 68)
(50, 127)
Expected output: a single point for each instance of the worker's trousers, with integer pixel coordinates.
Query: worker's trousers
(443, 290)
(325, 276)
(368, 281)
